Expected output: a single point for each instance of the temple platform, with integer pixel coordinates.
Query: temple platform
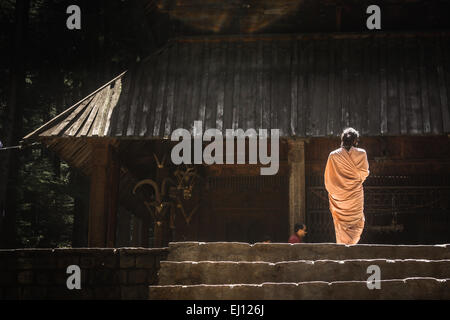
(241, 271)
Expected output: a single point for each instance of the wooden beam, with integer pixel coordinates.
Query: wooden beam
(103, 194)
(297, 194)
(307, 36)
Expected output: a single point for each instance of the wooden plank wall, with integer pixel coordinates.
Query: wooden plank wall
(406, 196)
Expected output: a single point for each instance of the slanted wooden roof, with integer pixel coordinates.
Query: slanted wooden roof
(310, 85)
(304, 85)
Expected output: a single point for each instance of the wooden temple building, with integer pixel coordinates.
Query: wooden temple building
(309, 70)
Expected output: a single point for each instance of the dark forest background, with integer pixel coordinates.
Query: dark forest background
(45, 68)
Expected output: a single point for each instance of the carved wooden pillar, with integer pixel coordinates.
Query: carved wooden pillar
(112, 196)
(103, 195)
(297, 189)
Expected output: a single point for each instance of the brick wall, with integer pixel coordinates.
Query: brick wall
(123, 273)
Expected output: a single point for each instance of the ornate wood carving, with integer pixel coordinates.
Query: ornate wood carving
(170, 196)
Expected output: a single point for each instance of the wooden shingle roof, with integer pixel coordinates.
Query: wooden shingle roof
(309, 85)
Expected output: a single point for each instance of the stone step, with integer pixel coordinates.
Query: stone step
(277, 252)
(219, 272)
(410, 288)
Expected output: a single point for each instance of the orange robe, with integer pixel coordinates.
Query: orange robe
(344, 175)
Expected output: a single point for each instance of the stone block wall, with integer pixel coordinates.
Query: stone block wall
(123, 273)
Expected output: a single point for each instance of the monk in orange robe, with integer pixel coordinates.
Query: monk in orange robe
(345, 172)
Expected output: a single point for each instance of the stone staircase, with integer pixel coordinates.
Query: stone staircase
(240, 271)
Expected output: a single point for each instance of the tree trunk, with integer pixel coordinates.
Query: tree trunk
(13, 130)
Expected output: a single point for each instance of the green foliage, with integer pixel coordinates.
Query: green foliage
(45, 214)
